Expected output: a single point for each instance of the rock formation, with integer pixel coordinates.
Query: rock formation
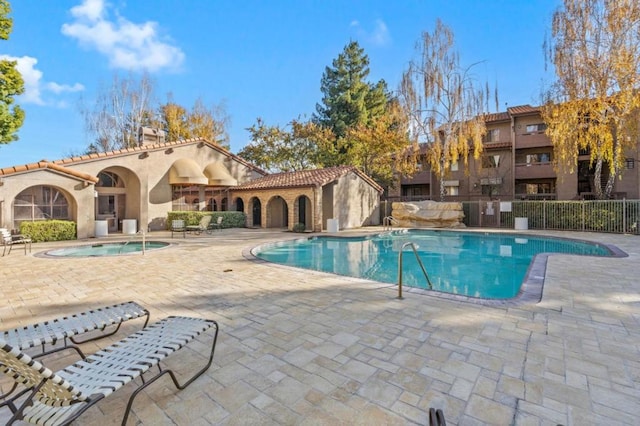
(431, 214)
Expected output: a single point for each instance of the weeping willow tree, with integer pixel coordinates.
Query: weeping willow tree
(443, 103)
(593, 105)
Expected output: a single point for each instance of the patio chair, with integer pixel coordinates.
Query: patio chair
(68, 328)
(59, 398)
(216, 225)
(9, 240)
(177, 225)
(202, 226)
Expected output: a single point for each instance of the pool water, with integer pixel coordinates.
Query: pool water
(485, 265)
(106, 249)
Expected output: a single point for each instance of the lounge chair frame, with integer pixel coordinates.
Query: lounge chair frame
(202, 226)
(60, 398)
(67, 329)
(9, 240)
(217, 225)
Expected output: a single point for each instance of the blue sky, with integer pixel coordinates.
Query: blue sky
(258, 58)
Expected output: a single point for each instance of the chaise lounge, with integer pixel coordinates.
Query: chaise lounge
(59, 398)
(67, 329)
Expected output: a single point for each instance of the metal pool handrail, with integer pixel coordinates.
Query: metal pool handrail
(132, 238)
(413, 246)
(387, 223)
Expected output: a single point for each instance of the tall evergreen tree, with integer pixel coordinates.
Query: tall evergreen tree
(348, 99)
(11, 84)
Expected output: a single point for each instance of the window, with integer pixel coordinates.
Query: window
(541, 157)
(109, 180)
(488, 190)
(535, 128)
(451, 190)
(454, 167)
(493, 135)
(40, 203)
(535, 188)
(490, 161)
(184, 197)
(629, 163)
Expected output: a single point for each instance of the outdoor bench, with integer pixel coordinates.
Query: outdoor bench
(58, 398)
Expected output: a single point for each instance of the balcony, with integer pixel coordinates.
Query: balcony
(535, 171)
(536, 197)
(418, 178)
(532, 140)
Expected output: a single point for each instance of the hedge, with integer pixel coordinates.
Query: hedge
(230, 219)
(49, 230)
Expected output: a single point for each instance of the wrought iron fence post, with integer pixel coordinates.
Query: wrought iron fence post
(624, 215)
(582, 215)
(544, 213)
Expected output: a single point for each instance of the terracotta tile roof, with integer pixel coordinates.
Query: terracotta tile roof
(47, 165)
(497, 145)
(304, 178)
(497, 116)
(155, 147)
(523, 110)
(59, 165)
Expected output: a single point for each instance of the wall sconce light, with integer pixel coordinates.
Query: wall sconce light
(169, 151)
(143, 155)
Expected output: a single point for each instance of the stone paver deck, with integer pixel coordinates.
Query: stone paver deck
(299, 347)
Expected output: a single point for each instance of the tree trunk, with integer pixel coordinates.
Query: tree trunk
(608, 189)
(597, 179)
(443, 190)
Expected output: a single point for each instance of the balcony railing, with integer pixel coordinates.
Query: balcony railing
(534, 171)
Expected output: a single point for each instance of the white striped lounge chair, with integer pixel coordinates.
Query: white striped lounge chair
(69, 328)
(58, 398)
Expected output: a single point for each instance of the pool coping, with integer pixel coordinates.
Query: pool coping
(531, 290)
(45, 253)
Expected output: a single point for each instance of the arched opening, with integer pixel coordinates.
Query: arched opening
(277, 213)
(111, 200)
(256, 212)
(303, 207)
(224, 204)
(41, 202)
(239, 205)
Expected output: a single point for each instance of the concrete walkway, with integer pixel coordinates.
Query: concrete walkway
(299, 347)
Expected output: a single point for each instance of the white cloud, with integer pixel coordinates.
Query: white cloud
(127, 45)
(378, 36)
(34, 87)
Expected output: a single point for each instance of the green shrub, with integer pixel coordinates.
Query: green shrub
(230, 219)
(49, 230)
(299, 227)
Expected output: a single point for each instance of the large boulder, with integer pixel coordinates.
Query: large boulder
(431, 214)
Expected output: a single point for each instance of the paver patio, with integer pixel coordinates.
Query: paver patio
(300, 347)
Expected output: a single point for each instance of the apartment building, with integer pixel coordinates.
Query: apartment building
(516, 164)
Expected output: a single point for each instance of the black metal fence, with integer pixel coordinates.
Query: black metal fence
(614, 216)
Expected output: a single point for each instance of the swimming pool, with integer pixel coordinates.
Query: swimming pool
(106, 249)
(476, 264)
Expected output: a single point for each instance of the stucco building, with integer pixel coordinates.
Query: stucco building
(517, 163)
(141, 185)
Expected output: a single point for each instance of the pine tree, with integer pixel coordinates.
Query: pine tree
(348, 99)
